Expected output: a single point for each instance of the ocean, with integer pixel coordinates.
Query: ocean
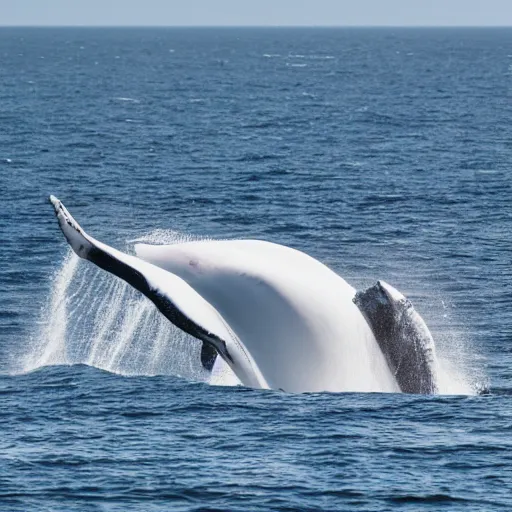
(384, 153)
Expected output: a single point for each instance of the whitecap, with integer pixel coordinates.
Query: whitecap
(122, 98)
(353, 163)
(322, 57)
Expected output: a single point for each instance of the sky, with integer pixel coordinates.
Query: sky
(257, 12)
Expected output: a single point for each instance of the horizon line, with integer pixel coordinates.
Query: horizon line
(276, 26)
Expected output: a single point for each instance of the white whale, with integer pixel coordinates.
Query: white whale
(278, 317)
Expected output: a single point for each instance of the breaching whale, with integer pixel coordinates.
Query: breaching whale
(279, 318)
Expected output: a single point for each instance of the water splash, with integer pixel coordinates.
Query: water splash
(460, 368)
(49, 348)
(97, 319)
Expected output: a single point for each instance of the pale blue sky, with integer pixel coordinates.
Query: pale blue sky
(252, 12)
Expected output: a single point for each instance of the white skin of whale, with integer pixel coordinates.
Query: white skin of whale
(288, 322)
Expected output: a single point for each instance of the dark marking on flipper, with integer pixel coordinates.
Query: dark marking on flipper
(133, 277)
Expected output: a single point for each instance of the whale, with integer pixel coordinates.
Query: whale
(279, 318)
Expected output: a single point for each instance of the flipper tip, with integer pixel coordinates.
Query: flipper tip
(55, 202)
(74, 234)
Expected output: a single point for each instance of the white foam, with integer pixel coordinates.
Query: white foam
(322, 57)
(222, 375)
(131, 100)
(311, 57)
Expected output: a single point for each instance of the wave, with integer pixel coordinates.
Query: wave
(311, 57)
(130, 100)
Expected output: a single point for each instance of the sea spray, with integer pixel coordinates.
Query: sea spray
(94, 318)
(461, 369)
(460, 366)
(48, 347)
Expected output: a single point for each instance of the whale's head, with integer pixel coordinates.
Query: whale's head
(402, 335)
(384, 307)
(390, 294)
(380, 305)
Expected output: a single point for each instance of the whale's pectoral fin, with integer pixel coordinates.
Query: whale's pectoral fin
(175, 299)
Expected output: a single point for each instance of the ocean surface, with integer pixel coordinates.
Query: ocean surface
(384, 153)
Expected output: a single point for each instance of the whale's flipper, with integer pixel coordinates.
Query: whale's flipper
(174, 298)
(402, 335)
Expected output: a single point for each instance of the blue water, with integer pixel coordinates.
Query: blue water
(386, 154)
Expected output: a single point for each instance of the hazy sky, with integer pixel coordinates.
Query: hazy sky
(256, 12)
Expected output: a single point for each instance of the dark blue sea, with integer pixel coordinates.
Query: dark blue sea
(384, 153)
